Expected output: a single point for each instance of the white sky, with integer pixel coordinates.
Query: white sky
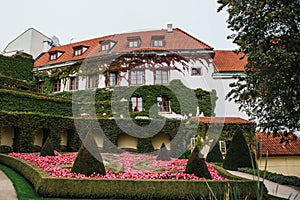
(88, 19)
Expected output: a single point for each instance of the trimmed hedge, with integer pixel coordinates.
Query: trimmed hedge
(47, 186)
(18, 66)
(7, 82)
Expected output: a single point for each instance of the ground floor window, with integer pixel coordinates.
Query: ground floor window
(113, 79)
(137, 104)
(73, 83)
(163, 104)
(93, 81)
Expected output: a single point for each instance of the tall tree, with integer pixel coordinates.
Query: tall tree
(267, 31)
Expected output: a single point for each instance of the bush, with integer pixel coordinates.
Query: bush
(215, 154)
(88, 160)
(163, 154)
(275, 177)
(197, 165)
(238, 154)
(47, 148)
(5, 149)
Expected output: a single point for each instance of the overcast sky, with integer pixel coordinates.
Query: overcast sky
(74, 20)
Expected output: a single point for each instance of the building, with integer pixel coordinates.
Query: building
(203, 67)
(31, 42)
(278, 157)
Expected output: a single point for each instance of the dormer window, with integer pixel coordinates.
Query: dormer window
(107, 45)
(54, 55)
(79, 50)
(158, 41)
(134, 42)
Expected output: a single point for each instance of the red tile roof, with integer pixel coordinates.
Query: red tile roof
(273, 147)
(177, 40)
(225, 120)
(229, 61)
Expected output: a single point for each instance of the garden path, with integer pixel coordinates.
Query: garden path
(274, 189)
(7, 190)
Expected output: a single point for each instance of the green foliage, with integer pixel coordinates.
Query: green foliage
(18, 66)
(7, 82)
(275, 177)
(104, 98)
(268, 33)
(163, 153)
(215, 154)
(88, 160)
(22, 101)
(47, 148)
(196, 165)
(238, 154)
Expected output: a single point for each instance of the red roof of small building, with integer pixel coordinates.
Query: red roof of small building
(229, 61)
(272, 146)
(225, 120)
(177, 40)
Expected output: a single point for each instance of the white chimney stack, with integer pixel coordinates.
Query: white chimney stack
(169, 28)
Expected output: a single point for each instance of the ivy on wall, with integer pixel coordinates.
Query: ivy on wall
(18, 66)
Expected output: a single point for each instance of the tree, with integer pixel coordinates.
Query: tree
(196, 165)
(238, 155)
(215, 154)
(268, 33)
(164, 153)
(88, 160)
(47, 149)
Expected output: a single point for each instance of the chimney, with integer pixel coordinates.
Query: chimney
(169, 28)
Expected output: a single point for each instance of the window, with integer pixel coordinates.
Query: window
(161, 77)
(107, 45)
(56, 87)
(137, 77)
(93, 81)
(222, 146)
(54, 55)
(73, 83)
(137, 104)
(104, 47)
(40, 86)
(113, 78)
(196, 71)
(158, 41)
(134, 42)
(79, 50)
(163, 104)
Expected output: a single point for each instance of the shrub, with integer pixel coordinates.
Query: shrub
(215, 154)
(197, 166)
(275, 177)
(47, 149)
(88, 160)
(5, 149)
(238, 154)
(164, 154)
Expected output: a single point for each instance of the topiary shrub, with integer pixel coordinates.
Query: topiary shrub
(88, 161)
(5, 149)
(197, 165)
(47, 148)
(215, 154)
(164, 153)
(238, 154)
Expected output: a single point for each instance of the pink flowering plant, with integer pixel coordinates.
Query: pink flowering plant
(134, 166)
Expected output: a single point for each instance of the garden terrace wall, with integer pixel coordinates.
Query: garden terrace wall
(47, 186)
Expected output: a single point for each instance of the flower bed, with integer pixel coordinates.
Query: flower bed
(148, 166)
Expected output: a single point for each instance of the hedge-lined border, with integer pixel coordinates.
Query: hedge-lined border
(47, 186)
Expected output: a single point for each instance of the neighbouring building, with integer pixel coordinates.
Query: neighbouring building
(31, 42)
(278, 157)
(208, 69)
